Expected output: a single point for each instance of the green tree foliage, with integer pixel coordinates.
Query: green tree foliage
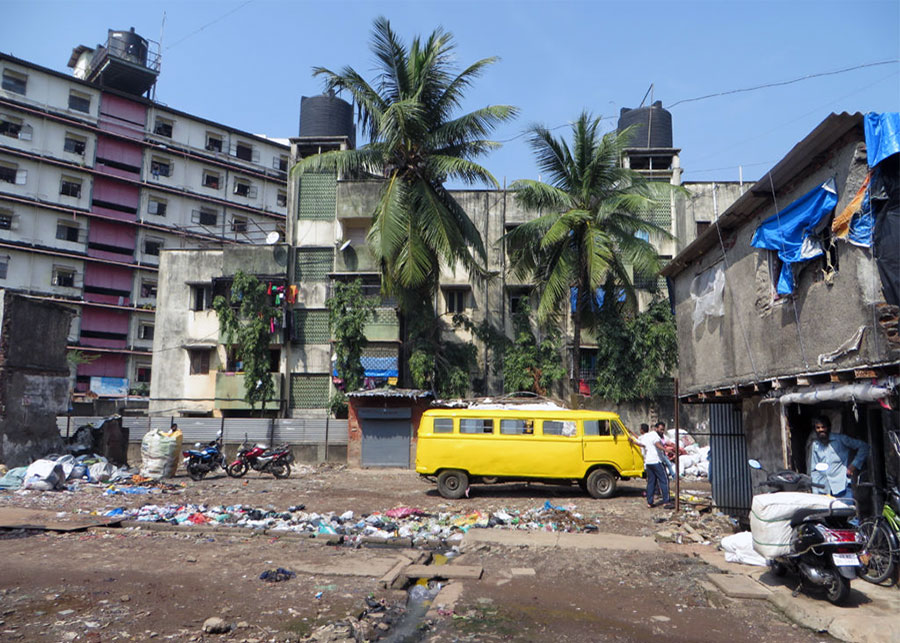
(417, 141)
(633, 355)
(445, 367)
(587, 237)
(348, 313)
(245, 320)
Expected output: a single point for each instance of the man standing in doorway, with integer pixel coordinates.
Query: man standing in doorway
(656, 473)
(834, 450)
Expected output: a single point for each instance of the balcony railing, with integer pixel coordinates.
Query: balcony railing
(230, 391)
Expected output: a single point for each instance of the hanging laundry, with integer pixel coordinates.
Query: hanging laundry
(292, 294)
(584, 388)
(269, 289)
(855, 222)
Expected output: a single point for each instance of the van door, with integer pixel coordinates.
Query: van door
(606, 441)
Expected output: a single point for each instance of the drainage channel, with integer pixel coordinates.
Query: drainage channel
(408, 629)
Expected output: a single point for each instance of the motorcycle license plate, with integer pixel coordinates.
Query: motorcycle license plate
(846, 560)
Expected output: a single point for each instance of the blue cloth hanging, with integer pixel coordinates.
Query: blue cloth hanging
(791, 232)
(882, 136)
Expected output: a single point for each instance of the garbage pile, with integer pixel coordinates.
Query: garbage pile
(57, 472)
(401, 522)
(693, 460)
(701, 529)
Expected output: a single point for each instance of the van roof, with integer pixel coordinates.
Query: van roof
(579, 414)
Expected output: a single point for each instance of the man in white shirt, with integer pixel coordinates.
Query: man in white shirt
(654, 451)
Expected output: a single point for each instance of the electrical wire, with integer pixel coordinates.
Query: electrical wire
(208, 24)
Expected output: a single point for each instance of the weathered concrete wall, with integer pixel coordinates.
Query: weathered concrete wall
(761, 337)
(706, 201)
(34, 377)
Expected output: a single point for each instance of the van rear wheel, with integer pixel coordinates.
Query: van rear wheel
(601, 484)
(452, 484)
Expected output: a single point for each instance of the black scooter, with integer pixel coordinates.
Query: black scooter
(824, 545)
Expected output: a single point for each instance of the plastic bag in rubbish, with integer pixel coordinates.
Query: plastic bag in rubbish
(44, 475)
(739, 549)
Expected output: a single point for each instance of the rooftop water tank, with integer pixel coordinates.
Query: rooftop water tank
(653, 126)
(128, 45)
(326, 115)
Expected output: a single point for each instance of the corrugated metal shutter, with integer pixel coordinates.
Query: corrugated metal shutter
(309, 391)
(728, 470)
(386, 434)
(317, 195)
(310, 326)
(313, 264)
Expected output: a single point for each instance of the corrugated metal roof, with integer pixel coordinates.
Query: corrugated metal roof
(408, 393)
(803, 158)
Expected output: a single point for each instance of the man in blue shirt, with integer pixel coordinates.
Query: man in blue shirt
(834, 450)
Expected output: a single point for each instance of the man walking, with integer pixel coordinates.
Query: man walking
(661, 432)
(653, 449)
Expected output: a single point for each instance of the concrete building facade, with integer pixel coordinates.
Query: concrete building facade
(96, 179)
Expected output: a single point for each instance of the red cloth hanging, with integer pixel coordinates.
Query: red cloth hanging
(584, 388)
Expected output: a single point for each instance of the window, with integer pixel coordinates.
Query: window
(66, 231)
(702, 226)
(213, 142)
(211, 179)
(596, 427)
(4, 266)
(199, 361)
(517, 300)
(476, 426)
(443, 425)
(205, 216)
(64, 277)
(243, 187)
(244, 151)
(79, 102)
(148, 289)
(238, 224)
(142, 373)
(156, 206)
(457, 299)
(152, 246)
(15, 128)
(280, 163)
(163, 127)
(517, 427)
(145, 331)
(160, 167)
(565, 428)
(70, 187)
(14, 81)
(281, 199)
(10, 173)
(6, 219)
(74, 144)
(201, 296)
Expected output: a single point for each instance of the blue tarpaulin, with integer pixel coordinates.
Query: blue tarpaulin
(377, 367)
(599, 298)
(791, 231)
(882, 136)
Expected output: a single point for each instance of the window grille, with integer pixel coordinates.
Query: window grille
(661, 214)
(309, 391)
(313, 264)
(317, 195)
(311, 326)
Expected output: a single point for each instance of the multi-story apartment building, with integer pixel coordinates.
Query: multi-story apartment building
(96, 179)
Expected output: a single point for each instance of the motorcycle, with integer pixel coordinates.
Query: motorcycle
(806, 534)
(204, 459)
(276, 461)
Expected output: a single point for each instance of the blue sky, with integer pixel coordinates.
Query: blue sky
(246, 64)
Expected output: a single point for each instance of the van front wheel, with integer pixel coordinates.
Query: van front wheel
(601, 484)
(453, 484)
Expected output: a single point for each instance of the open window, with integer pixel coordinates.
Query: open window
(79, 102)
(67, 231)
(70, 186)
(160, 166)
(63, 276)
(152, 246)
(238, 224)
(14, 81)
(4, 266)
(163, 127)
(74, 144)
(211, 179)
(205, 216)
(145, 331)
(157, 206)
(11, 173)
(457, 300)
(213, 142)
(243, 187)
(199, 360)
(15, 128)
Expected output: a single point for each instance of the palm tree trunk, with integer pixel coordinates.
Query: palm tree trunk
(576, 347)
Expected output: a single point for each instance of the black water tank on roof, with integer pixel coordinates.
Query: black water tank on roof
(653, 125)
(128, 45)
(326, 115)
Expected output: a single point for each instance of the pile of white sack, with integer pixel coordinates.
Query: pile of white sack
(54, 472)
(695, 461)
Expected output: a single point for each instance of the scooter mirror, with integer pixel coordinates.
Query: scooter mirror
(821, 467)
(754, 464)
(196, 445)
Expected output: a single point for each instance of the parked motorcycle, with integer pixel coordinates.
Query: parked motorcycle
(276, 461)
(806, 534)
(204, 459)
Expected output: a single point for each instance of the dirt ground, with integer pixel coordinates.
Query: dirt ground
(126, 584)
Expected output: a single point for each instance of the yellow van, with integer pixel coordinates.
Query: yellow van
(462, 446)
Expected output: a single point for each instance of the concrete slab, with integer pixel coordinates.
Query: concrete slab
(445, 600)
(349, 566)
(511, 538)
(738, 586)
(522, 571)
(19, 518)
(444, 571)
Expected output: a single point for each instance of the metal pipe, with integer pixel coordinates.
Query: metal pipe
(677, 448)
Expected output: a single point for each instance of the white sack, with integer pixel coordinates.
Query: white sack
(101, 472)
(159, 455)
(770, 518)
(739, 549)
(44, 475)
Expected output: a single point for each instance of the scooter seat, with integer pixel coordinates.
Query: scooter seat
(801, 515)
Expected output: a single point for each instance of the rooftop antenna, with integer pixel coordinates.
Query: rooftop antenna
(649, 93)
(162, 30)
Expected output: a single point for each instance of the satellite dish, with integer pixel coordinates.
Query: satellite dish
(272, 237)
(345, 245)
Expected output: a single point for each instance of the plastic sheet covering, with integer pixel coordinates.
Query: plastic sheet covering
(836, 392)
(792, 231)
(707, 294)
(882, 136)
(739, 549)
(856, 223)
(770, 518)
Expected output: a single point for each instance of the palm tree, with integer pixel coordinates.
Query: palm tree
(588, 237)
(416, 143)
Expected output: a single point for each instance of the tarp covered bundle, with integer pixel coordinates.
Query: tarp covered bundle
(770, 518)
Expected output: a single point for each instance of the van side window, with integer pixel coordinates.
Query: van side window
(471, 425)
(617, 428)
(517, 427)
(559, 427)
(596, 427)
(443, 425)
